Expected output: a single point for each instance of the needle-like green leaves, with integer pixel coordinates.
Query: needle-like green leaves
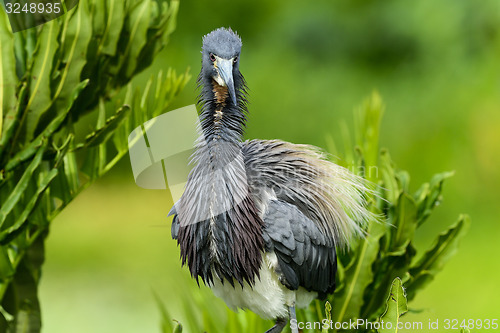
(21, 185)
(358, 276)
(30, 205)
(7, 73)
(114, 23)
(385, 260)
(50, 77)
(103, 134)
(138, 28)
(40, 97)
(433, 261)
(29, 150)
(73, 54)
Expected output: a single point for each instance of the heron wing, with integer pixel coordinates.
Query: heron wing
(306, 256)
(331, 196)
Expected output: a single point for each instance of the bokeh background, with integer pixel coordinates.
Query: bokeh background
(436, 65)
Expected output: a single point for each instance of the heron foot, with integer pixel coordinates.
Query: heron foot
(278, 327)
(293, 317)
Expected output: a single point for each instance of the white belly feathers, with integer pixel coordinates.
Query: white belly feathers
(268, 297)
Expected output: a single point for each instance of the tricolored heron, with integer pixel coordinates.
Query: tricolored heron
(259, 221)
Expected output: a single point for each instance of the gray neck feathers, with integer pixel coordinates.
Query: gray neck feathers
(220, 119)
(220, 233)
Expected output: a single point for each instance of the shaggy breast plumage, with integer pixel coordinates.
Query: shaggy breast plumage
(218, 229)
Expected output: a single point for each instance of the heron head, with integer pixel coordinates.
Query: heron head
(220, 58)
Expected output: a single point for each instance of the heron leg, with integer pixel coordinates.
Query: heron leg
(278, 327)
(293, 317)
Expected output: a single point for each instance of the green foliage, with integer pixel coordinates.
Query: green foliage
(382, 271)
(328, 316)
(52, 76)
(396, 307)
(367, 272)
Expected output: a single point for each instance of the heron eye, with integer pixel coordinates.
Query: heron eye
(212, 57)
(235, 59)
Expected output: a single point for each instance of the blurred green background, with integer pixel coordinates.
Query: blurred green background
(308, 64)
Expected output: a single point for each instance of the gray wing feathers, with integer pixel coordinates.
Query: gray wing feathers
(306, 256)
(174, 231)
(330, 195)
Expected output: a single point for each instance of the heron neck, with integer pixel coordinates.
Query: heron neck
(221, 120)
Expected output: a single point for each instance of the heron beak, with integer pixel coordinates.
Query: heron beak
(225, 69)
